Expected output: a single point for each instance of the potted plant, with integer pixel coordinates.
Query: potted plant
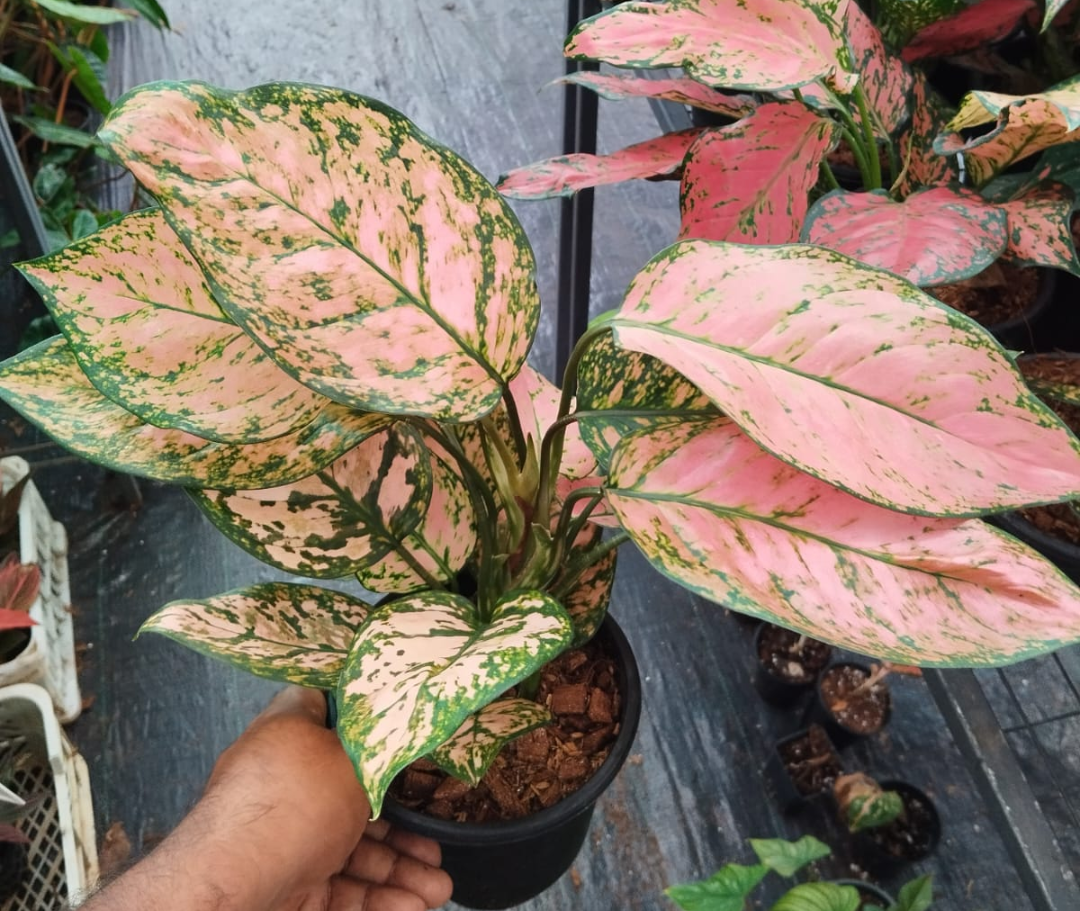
(852, 700)
(731, 887)
(894, 823)
(322, 330)
(803, 767)
(786, 664)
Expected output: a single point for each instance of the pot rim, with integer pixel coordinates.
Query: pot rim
(871, 888)
(581, 801)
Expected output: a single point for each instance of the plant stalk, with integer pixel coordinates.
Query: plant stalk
(868, 135)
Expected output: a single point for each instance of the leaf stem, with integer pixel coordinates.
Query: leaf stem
(868, 135)
(830, 177)
(516, 430)
(575, 570)
(851, 133)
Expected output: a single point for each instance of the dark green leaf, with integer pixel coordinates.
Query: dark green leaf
(99, 44)
(88, 15)
(83, 223)
(788, 857)
(14, 77)
(916, 895)
(725, 890)
(90, 77)
(57, 238)
(9, 239)
(48, 181)
(56, 132)
(151, 11)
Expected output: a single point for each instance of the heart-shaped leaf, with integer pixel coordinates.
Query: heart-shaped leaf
(45, 385)
(566, 174)
(751, 180)
(1026, 124)
(341, 519)
(149, 335)
(392, 277)
(916, 895)
(819, 897)
(726, 890)
(885, 79)
(764, 46)
(970, 27)
(294, 633)
(620, 392)
(615, 87)
(441, 543)
(422, 664)
(924, 167)
(788, 857)
(471, 750)
(727, 520)
(1039, 227)
(933, 237)
(804, 347)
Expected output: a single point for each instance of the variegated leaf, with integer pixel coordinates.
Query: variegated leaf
(933, 237)
(295, 633)
(901, 19)
(1025, 125)
(751, 180)
(45, 385)
(764, 46)
(922, 166)
(472, 748)
(149, 335)
(620, 392)
(587, 602)
(567, 174)
(1053, 7)
(390, 277)
(681, 90)
(341, 519)
(441, 543)
(729, 521)
(886, 80)
(1039, 227)
(804, 347)
(970, 27)
(421, 665)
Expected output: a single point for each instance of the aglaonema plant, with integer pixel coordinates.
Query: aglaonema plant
(321, 330)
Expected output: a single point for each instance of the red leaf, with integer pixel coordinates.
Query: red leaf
(972, 27)
(933, 237)
(616, 86)
(19, 584)
(566, 174)
(924, 167)
(750, 181)
(14, 619)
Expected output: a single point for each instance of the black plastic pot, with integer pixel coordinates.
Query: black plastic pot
(868, 891)
(775, 690)
(788, 796)
(869, 853)
(820, 713)
(1035, 329)
(502, 864)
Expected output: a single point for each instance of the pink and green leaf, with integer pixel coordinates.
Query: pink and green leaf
(620, 392)
(764, 46)
(348, 516)
(19, 585)
(149, 335)
(441, 543)
(885, 79)
(293, 633)
(46, 385)
(399, 703)
(567, 174)
(750, 181)
(971, 27)
(724, 518)
(681, 90)
(587, 600)
(390, 277)
(804, 347)
(1040, 231)
(902, 19)
(471, 750)
(922, 165)
(933, 237)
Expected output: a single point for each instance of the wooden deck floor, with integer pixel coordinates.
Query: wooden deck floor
(470, 72)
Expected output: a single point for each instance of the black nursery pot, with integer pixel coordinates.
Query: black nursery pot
(789, 797)
(868, 891)
(868, 850)
(1037, 328)
(502, 864)
(820, 713)
(775, 690)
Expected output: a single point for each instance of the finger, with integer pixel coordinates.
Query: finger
(296, 700)
(406, 842)
(377, 862)
(351, 895)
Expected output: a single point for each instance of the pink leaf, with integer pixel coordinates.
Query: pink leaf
(1039, 227)
(726, 519)
(885, 79)
(566, 174)
(763, 46)
(616, 86)
(852, 375)
(19, 584)
(923, 166)
(15, 619)
(750, 180)
(931, 238)
(974, 26)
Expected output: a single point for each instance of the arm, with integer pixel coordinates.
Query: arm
(283, 826)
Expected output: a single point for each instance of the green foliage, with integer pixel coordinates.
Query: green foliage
(788, 857)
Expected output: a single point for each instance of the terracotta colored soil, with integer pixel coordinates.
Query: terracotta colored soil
(908, 836)
(864, 712)
(791, 657)
(542, 767)
(811, 762)
(992, 304)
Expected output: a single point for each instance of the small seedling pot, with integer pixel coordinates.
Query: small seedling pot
(790, 797)
(871, 847)
(502, 864)
(869, 892)
(775, 689)
(819, 713)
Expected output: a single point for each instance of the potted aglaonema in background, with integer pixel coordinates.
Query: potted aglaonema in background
(322, 329)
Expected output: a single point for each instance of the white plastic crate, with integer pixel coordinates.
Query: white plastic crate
(62, 853)
(49, 659)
